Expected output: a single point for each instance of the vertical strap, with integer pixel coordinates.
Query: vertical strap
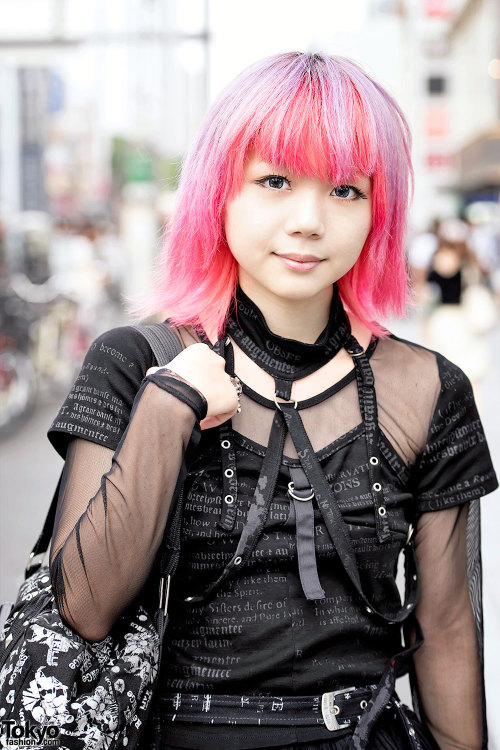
(229, 478)
(302, 495)
(259, 507)
(283, 388)
(337, 528)
(368, 408)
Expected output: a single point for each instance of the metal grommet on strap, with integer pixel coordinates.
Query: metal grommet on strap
(229, 499)
(238, 560)
(283, 402)
(382, 511)
(376, 486)
(363, 705)
(227, 341)
(228, 473)
(225, 444)
(374, 460)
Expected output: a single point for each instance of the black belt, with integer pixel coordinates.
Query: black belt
(338, 709)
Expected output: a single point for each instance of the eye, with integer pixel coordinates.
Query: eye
(274, 182)
(348, 192)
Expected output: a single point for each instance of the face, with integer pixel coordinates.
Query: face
(294, 236)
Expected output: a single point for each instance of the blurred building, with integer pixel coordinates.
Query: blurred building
(454, 50)
(95, 97)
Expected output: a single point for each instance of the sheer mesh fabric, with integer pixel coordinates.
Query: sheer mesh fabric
(405, 404)
(103, 550)
(448, 665)
(112, 514)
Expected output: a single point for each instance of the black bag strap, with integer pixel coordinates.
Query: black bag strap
(165, 345)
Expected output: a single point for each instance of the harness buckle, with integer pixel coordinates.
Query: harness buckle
(330, 710)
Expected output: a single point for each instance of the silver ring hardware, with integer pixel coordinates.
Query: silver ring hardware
(227, 341)
(296, 497)
(382, 511)
(355, 354)
(237, 560)
(229, 499)
(363, 705)
(330, 710)
(377, 487)
(228, 473)
(283, 402)
(225, 444)
(373, 460)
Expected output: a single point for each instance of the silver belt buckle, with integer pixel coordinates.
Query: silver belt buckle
(330, 710)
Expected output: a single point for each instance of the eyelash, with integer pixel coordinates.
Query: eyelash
(359, 193)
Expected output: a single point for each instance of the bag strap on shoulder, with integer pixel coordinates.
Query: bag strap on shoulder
(165, 345)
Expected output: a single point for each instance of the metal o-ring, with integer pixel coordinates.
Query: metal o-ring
(382, 511)
(336, 710)
(225, 444)
(229, 473)
(278, 404)
(237, 560)
(373, 460)
(229, 499)
(363, 705)
(377, 486)
(291, 492)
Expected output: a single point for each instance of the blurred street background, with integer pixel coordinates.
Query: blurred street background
(99, 100)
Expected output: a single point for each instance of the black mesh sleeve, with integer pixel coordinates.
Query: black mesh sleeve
(448, 666)
(103, 550)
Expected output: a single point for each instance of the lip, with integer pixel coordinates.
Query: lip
(300, 258)
(297, 262)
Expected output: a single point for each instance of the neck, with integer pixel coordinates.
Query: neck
(300, 320)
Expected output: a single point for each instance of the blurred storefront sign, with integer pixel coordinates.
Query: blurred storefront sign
(437, 122)
(479, 162)
(440, 161)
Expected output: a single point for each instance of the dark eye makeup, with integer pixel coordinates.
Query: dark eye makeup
(277, 182)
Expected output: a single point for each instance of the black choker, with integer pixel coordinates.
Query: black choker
(286, 359)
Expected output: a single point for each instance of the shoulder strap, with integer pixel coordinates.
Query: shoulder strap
(165, 345)
(163, 341)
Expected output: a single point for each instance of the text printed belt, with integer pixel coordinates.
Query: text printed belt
(338, 709)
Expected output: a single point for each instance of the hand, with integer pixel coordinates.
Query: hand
(204, 370)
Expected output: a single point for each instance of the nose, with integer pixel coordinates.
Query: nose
(305, 215)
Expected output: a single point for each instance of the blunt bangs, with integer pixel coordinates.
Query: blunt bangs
(315, 115)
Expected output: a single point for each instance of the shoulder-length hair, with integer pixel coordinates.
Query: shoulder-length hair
(318, 116)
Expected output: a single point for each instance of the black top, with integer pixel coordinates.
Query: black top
(433, 456)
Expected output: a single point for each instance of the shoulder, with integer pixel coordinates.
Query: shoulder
(429, 365)
(99, 403)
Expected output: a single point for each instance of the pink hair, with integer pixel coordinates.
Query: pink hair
(318, 116)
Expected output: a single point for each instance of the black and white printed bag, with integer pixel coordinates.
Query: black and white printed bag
(56, 688)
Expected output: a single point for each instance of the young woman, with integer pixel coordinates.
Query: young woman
(346, 446)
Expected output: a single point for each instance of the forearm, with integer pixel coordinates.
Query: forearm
(104, 562)
(447, 666)
(449, 682)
